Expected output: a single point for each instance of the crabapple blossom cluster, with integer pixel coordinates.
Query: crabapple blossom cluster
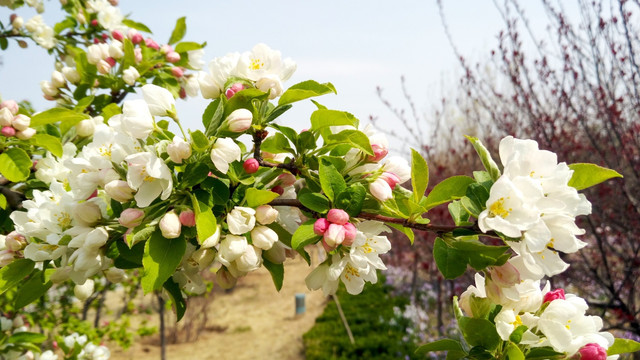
(14, 124)
(533, 204)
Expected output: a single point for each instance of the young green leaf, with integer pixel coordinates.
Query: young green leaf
(405, 230)
(161, 258)
(136, 25)
(276, 271)
(315, 202)
(31, 290)
(480, 332)
(305, 90)
(623, 346)
(440, 345)
(485, 157)
(200, 141)
(351, 199)
(419, 175)
(178, 31)
(179, 304)
(206, 223)
(587, 175)
(322, 118)
(450, 189)
(355, 138)
(15, 164)
(212, 117)
(14, 273)
(514, 352)
(449, 261)
(64, 116)
(256, 197)
(304, 235)
(331, 180)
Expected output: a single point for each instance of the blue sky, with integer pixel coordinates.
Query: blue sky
(357, 45)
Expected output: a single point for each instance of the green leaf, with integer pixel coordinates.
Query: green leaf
(322, 118)
(277, 111)
(129, 58)
(84, 103)
(305, 90)
(276, 144)
(449, 261)
(110, 110)
(218, 189)
(244, 99)
(419, 175)
(471, 206)
(315, 202)
(256, 197)
(277, 272)
(178, 31)
(188, 46)
(405, 230)
(544, 353)
(480, 307)
(587, 175)
(15, 164)
(179, 304)
(206, 223)
(212, 117)
(161, 258)
(355, 138)
(66, 117)
(623, 346)
(26, 337)
(136, 25)
(485, 157)
(31, 290)
(351, 200)
(194, 174)
(479, 255)
(480, 332)
(331, 180)
(49, 142)
(458, 213)
(4, 43)
(14, 273)
(304, 235)
(440, 345)
(200, 141)
(516, 335)
(447, 190)
(3, 202)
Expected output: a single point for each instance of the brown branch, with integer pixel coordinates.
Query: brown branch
(434, 228)
(257, 142)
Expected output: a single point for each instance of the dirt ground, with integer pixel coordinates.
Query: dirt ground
(253, 321)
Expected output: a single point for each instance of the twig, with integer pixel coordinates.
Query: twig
(257, 142)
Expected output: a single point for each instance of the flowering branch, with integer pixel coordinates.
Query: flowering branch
(435, 228)
(258, 136)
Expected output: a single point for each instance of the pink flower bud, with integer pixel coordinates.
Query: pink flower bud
(320, 226)
(188, 218)
(593, 351)
(135, 36)
(96, 41)
(278, 189)
(334, 235)
(131, 218)
(8, 131)
(111, 61)
(114, 2)
(104, 37)
(287, 179)
(233, 89)
(338, 216)
(240, 120)
(554, 295)
(379, 152)
(182, 93)
(165, 49)
(11, 105)
(151, 43)
(6, 118)
(177, 71)
(350, 232)
(15, 241)
(170, 225)
(326, 247)
(117, 34)
(94, 22)
(251, 165)
(173, 57)
(137, 54)
(12, 17)
(505, 276)
(380, 189)
(391, 179)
